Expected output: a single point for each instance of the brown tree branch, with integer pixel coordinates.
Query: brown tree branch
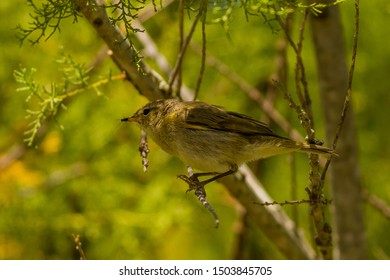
(272, 220)
(150, 50)
(377, 203)
(146, 81)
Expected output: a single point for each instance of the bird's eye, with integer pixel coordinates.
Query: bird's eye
(146, 111)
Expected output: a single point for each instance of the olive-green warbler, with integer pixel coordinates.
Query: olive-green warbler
(208, 138)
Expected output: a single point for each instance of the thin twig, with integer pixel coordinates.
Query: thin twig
(203, 60)
(302, 114)
(95, 85)
(179, 80)
(347, 99)
(183, 49)
(151, 50)
(294, 202)
(299, 70)
(150, 10)
(275, 223)
(300, 73)
(323, 230)
(305, 99)
(79, 248)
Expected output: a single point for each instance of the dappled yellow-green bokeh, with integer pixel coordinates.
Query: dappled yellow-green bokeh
(83, 174)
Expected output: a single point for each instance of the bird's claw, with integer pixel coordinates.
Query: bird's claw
(193, 183)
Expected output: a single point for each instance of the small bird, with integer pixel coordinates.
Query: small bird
(209, 138)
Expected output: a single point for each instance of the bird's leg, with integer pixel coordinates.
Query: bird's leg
(233, 169)
(194, 183)
(193, 180)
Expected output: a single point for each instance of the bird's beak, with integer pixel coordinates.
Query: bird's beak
(130, 119)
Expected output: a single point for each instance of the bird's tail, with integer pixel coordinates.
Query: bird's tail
(315, 149)
(291, 145)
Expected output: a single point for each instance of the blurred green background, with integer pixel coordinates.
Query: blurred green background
(87, 178)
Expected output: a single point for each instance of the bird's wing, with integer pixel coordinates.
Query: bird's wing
(212, 117)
